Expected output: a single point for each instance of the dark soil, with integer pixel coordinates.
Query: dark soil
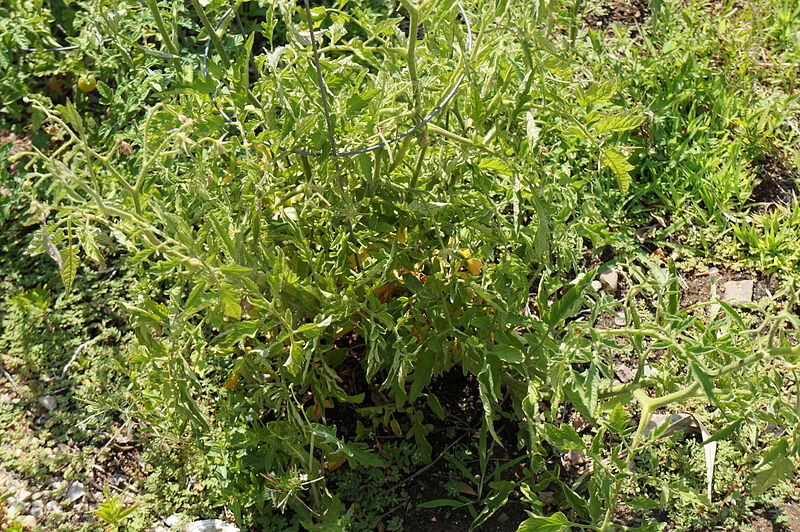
(628, 13)
(766, 519)
(697, 285)
(776, 186)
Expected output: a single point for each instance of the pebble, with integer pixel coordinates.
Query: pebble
(172, 521)
(52, 507)
(27, 521)
(609, 279)
(36, 509)
(75, 491)
(49, 402)
(210, 525)
(23, 495)
(739, 292)
(597, 285)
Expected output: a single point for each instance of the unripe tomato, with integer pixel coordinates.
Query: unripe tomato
(87, 83)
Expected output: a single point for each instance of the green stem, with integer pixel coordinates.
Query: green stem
(162, 28)
(215, 40)
(411, 56)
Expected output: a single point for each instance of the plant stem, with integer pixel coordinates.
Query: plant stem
(411, 56)
(162, 28)
(215, 40)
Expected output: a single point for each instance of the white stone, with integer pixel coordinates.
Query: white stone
(75, 491)
(27, 521)
(36, 509)
(609, 279)
(49, 402)
(52, 507)
(738, 292)
(210, 525)
(172, 521)
(597, 285)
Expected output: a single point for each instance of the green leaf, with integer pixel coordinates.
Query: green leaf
(423, 372)
(69, 267)
(555, 523)
(618, 420)
(725, 431)
(507, 353)
(439, 503)
(501, 489)
(773, 467)
(582, 390)
(705, 382)
(623, 121)
(619, 165)
(496, 164)
(643, 503)
(563, 438)
(230, 302)
(597, 93)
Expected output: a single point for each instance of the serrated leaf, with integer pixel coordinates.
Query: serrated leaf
(230, 303)
(582, 390)
(643, 503)
(623, 121)
(69, 268)
(619, 165)
(597, 93)
(618, 419)
(90, 245)
(555, 523)
(563, 438)
(496, 164)
(705, 382)
(773, 467)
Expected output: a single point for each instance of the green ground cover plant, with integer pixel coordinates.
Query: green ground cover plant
(326, 211)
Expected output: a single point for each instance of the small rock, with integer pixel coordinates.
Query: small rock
(49, 402)
(619, 320)
(597, 285)
(56, 485)
(172, 521)
(210, 525)
(36, 509)
(23, 495)
(624, 373)
(74, 492)
(650, 371)
(52, 507)
(27, 521)
(739, 292)
(609, 279)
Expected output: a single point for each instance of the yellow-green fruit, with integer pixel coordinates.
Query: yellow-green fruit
(87, 83)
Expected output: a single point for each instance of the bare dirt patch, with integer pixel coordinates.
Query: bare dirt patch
(776, 186)
(626, 13)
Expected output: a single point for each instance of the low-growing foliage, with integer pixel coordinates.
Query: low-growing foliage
(267, 241)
